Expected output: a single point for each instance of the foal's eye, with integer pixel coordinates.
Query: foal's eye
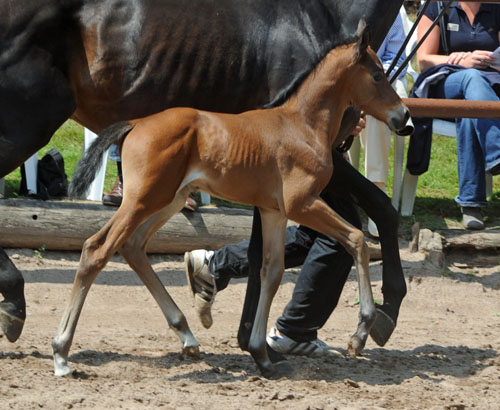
(378, 76)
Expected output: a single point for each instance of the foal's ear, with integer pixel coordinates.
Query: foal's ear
(364, 37)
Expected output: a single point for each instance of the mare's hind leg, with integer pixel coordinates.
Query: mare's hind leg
(273, 241)
(96, 252)
(13, 307)
(134, 252)
(320, 217)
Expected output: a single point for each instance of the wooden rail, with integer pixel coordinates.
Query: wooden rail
(444, 108)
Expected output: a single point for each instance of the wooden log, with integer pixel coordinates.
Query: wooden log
(65, 225)
(480, 240)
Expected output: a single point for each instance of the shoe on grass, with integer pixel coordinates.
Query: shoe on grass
(472, 218)
(201, 282)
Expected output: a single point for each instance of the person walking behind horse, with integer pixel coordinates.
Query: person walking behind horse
(462, 54)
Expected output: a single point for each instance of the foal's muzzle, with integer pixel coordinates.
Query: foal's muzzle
(399, 122)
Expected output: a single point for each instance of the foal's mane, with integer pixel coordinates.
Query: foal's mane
(286, 93)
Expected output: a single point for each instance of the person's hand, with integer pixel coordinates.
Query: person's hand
(479, 59)
(456, 57)
(361, 125)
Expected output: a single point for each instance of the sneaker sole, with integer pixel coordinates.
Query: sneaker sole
(189, 269)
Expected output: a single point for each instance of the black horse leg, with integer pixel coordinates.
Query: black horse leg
(253, 289)
(13, 307)
(378, 207)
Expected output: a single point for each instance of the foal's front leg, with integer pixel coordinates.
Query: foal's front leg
(320, 217)
(273, 251)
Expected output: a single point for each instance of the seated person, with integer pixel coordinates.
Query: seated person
(463, 56)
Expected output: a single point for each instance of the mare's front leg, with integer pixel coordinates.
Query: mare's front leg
(134, 252)
(13, 307)
(273, 265)
(319, 216)
(378, 207)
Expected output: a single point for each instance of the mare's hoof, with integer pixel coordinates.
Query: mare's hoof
(10, 324)
(355, 346)
(382, 328)
(192, 352)
(277, 370)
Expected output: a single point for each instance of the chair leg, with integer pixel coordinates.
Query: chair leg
(205, 198)
(489, 185)
(31, 170)
(399, 154)
(97, 187)
(409, 193)
(354, 152)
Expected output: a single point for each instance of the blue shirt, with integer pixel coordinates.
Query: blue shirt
(391, 45)
(461, 35)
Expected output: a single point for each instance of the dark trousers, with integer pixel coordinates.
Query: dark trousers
(325, 268)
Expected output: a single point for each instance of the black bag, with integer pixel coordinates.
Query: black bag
(52, 181)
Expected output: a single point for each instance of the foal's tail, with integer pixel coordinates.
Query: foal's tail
(91, 162)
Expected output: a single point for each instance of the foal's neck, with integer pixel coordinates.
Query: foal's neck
(324, 95)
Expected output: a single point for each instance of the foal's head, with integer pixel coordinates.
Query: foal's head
(370, 89)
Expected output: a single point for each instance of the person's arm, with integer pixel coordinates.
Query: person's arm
(428, 53)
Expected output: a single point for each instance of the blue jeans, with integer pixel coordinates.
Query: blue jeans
(478, 139)
(325, 268)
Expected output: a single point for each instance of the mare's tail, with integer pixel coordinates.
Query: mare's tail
(91, 162)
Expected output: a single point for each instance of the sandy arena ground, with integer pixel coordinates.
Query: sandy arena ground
(443, 355)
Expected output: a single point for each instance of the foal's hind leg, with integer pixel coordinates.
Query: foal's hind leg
(134, 252)
(96, 252)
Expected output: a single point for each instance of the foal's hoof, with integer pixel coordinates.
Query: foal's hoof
(10, 324)
(277, 370)
(274, 356)
(355, 346)
(192, 352)
(382, 328)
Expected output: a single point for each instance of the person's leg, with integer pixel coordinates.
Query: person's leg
(231, 260)
(115, 197)
(478, 142)
(209, 272)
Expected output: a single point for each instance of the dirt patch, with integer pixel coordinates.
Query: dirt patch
(443, 355)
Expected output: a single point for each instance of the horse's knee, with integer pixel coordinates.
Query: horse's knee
(93, 258)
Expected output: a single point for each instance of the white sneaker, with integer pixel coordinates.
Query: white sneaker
(201, 282)
(372, 228)
(285, 345)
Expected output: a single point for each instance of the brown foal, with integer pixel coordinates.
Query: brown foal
(278, 160)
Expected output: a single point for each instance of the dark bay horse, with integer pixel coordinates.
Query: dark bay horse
(100, 62)
(278, 160)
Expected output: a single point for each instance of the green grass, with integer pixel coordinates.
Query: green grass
(434, 205)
